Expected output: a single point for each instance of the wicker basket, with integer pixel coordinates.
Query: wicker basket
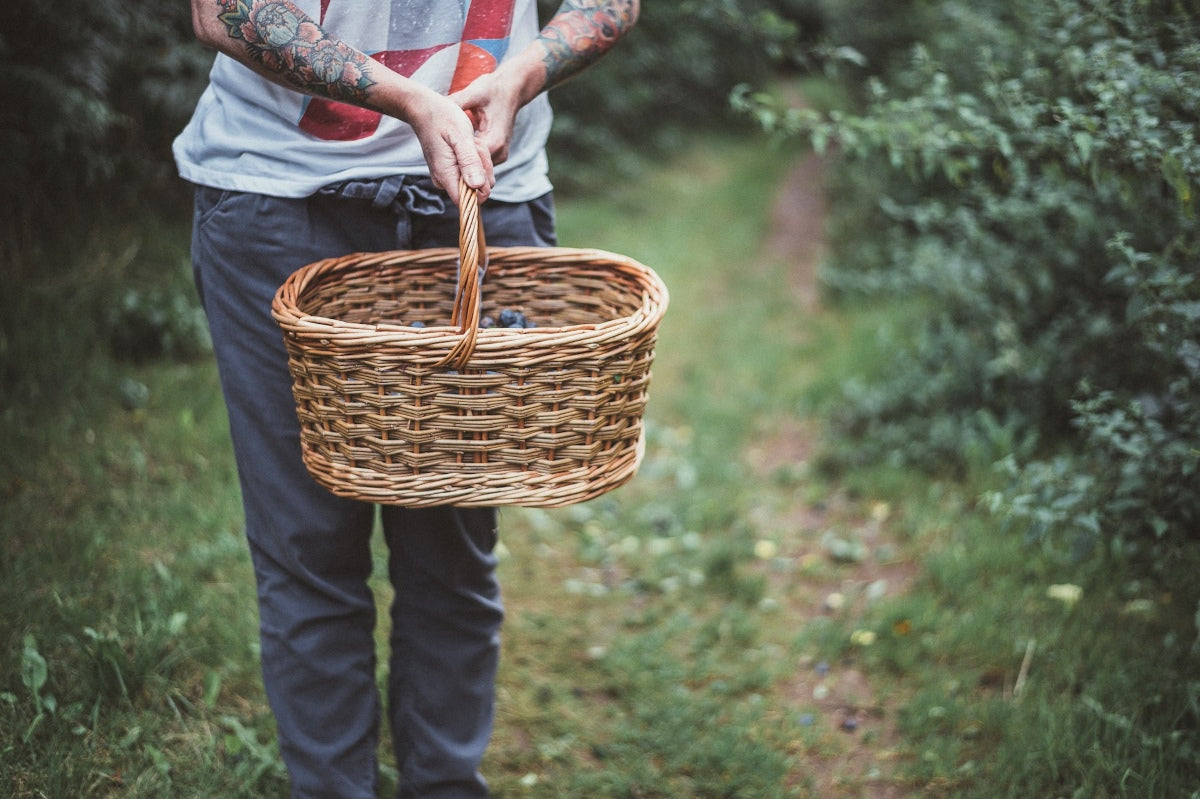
(451, 414)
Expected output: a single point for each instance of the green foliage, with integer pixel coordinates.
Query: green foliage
(92, 92)
(129, 605)
(879, 31)
(670, 76)
(665, 641)
(687, 730)
(1033, 177)
(156, 322)
(34, 675)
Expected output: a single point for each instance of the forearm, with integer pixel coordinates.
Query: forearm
(579, 33)
(280, 42)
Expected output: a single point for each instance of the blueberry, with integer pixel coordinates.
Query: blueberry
(417, 324)
(487, 322)
(510, 318)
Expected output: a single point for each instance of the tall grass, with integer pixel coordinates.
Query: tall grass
(672, 639)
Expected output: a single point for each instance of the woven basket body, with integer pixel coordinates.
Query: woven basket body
(449, 414)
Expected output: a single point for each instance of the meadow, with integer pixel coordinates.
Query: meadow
(748, 618)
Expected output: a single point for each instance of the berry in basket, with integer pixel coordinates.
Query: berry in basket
(508, 318)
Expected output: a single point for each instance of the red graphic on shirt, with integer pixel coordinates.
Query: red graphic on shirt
(484, 41)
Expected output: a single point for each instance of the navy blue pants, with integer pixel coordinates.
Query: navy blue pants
(311, 550)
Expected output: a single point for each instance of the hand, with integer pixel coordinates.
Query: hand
(578, 34)
(492, 101)
(450, 145)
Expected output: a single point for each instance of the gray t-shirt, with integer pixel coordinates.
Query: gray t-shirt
(249, 134)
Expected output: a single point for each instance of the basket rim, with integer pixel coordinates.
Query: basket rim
(285, 306)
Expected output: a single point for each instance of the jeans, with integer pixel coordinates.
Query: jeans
(311, 550)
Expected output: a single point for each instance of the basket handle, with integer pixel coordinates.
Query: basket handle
(472, 263)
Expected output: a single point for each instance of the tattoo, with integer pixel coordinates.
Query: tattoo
(580, 32)
(284, 39)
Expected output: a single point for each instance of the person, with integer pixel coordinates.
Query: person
(338, 126)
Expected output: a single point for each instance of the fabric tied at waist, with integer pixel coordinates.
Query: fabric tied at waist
(399, 193)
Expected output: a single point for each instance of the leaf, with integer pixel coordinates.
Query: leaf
(130, 737)
(1176, 176)
(212, 688)
(820, 141)
(1190, 311)
(177, 622)
(34, 671)
(1196, 647)
(1083, 145)
(849, 54)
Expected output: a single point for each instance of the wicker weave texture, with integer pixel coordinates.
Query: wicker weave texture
(450, 414)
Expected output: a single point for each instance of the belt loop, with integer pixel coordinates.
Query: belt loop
(403, 227)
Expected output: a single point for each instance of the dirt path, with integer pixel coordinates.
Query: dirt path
(854, 741)
(798, 228)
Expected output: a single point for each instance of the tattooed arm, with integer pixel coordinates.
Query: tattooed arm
(580, 32)
(280, 42)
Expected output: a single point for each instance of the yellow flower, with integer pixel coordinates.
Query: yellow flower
(1066, 593)
(765, 550)
(862, 637)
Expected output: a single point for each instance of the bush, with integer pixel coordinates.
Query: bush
(1031, 179)
(155, 323)
(92, 94)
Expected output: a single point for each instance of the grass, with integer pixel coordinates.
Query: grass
(677, 638)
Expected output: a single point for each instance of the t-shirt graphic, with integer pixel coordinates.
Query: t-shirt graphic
(472, 34)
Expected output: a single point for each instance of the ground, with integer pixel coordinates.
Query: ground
(857, 747)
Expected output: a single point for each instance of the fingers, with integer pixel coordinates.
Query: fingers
(489, 163)
(494, 140)
(474, 163)
(490, 137)
(492, 108)
(456, 153)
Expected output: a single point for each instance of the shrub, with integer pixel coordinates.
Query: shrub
(88, 118)
(149, 323)
(1031, 180)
